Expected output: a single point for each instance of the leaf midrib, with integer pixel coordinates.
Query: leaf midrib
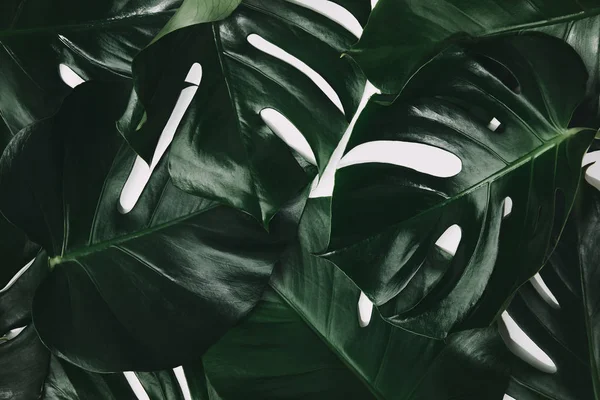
(101, 246)
(526, 158)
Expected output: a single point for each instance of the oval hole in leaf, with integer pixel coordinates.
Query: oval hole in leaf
(334, 12)
(592, 173)
(11, 334)
(183, 384)
(507, 397)
(450, 239)
(283, 128)
(16, 276)
(494, 124)
(365, 310)
(267, 47)
(420, 157)
(544, 291)
(141, 172)
(508, 206)
(69, 76)
(136, 385)
(522, 346)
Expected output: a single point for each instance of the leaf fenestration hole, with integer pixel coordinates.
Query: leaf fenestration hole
(183, 383)
(275, 51)
(507, 397)
(365, 310)
(140, 174)
(16, 277)
(450, 239)
(287, 132)
(420, 157)
(69, 76)
(544, 291)
(592, 173)
(522, 346)
(11, 334)
(136, 385)
(334, 12)
(507, 207)
(494, 124)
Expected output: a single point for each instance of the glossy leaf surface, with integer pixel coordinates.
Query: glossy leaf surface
(96, 40)
(386, 219)
(223, 150)
(569, 333)
(145, 290)
(391, 362)
(404, 35)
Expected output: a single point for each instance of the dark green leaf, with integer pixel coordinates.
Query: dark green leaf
(222, 149)
(390, 362)
(385, 219)
(404, 35)
(23, 358)
(569, 334)
(96, 40)
(145, 290)
(584, 36)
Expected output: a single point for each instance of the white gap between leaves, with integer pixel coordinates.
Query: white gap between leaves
(287, 132)
(507, 397)
(508, 206)
(140, 174)
(450, 239)
(592, 174)
(183, 383)
(267, 47)
(16, 277)
(544, 291)
(11, 334)
(334, 12)
(69, 76)
(522, 346)
(136, 385)
(493, 125)
(324, 186)
(418, 156)
(365, 310)
(374, 3)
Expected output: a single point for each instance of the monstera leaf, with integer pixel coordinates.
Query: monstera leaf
(97, 41)
(144, 290)
(500, 110)
(224, 148)
(404, 35)
(584, 36)
(563, 320)
(273, 356)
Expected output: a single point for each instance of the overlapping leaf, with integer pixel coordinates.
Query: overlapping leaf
(566, 330)
(223, 150)
(142, 291)
(385, 219)
(404, 35)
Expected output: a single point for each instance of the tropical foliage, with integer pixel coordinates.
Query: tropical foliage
(220, 203)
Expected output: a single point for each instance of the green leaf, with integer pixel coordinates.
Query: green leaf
(568, 333)
(145, 290)
(23, 358)
(404, 35)
(96, 40)
(242, 162)
(272, 355)
(584, 36)
(385, 218)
